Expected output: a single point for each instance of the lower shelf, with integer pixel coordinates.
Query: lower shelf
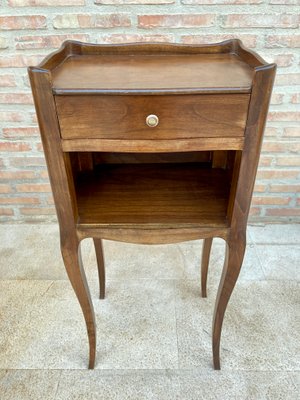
(152, 196)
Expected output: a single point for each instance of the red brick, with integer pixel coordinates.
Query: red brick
(5, 189)
(44, 174)
(279, 160)
(7, 81)
(265, 161)
(129, 38)
(39, 147)
(283, 212)
(50, 3)
(11, 116)
(8, 146)
(293, 131)
(6, 211)
(280, 146)
(285, 188)
(260, 188)
(16, 98)
(295, 98)
(283, 41)
(26, 80)
(120, 2)
(263, 200)
(37, 211)
(277, 98)
(254, 211)
(213, 2)
(248, 40)
(271, 131)
(50, 200)
(261, 21)
(20, 61)
(287, 79)
(33, 187)
(17, 175)
(3, 43)
(277, 174)
(20, 132)
(70, 21)
(291, 161)
(285, 2)
(284, 116)
(33, 118)
(21, 162)
(176, 21)
(19, 200)
(283, 60)
(50, 41)
(23, 22)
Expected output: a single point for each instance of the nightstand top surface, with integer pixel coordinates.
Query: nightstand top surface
(153, 72)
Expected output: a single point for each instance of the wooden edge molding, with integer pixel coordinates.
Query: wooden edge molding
(151, 236)
(247, 55)
(148, 146)
(72, 47)
(149, 92)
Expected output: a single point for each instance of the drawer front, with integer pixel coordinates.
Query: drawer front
(178, 116)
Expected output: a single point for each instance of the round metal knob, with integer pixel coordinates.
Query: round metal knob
(152, 120)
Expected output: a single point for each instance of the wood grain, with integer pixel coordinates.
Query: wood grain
(151, 235)
(153, 146)
(124, 117)
(151, 195)
(204, 264)
(62, 183)
(152, 158)
(151, 72)
(93, 99)
(101, 267)
(244, 179)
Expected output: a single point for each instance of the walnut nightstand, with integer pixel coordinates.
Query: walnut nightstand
(152, 143)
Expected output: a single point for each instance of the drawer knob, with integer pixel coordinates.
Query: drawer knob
(152, 120)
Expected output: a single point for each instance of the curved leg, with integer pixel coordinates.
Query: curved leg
(235, 250)
(204, 264)
(101, 266)
(70, 250)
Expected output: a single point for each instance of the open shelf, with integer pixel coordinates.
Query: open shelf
(153, 195)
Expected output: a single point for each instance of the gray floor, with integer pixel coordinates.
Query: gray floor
(154, 329)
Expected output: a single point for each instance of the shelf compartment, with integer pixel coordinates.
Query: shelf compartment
(152, 196)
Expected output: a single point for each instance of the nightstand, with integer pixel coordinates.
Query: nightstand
(152, 143)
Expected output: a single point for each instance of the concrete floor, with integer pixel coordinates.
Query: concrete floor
(154, 329)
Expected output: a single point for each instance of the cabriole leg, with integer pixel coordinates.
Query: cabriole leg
(204, 264)
(101, 266)
(71, 254)
(235, 250)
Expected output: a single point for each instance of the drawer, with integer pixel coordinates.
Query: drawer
(125, 117)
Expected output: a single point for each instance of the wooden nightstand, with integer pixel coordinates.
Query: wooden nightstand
(152, 143)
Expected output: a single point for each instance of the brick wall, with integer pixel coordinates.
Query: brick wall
(29, 29)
